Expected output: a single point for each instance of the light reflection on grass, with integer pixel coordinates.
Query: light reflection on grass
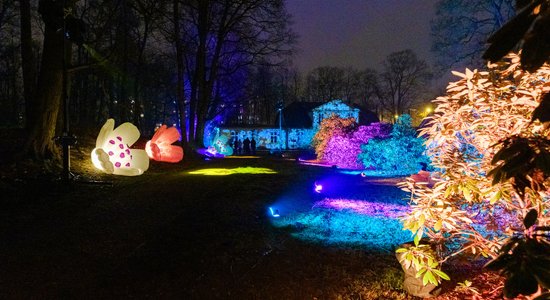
(226, 171)
(347, 222)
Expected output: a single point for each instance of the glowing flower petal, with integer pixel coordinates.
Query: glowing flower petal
(100, 159)
(127, 130)
(112, 154)
(139, 164)
(104, 132)
(222, 146)
(159, 147)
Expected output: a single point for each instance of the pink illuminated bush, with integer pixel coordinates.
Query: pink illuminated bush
(342, 149)
(330, 127)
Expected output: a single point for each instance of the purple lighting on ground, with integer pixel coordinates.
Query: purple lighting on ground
(210, 152)
(364, 207)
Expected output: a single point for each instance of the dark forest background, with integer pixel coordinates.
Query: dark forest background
(186, 63)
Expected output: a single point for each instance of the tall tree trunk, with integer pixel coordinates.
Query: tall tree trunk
(48, 97)
(180, 95)
(200, 74)
(28, 63)
(138, 76)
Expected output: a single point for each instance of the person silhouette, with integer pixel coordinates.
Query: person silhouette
(237, 146)
(253, 146)
(246, 146)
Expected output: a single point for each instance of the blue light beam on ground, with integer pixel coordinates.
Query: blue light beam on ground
(348, 223)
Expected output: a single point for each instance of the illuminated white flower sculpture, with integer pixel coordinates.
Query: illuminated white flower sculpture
(112, 154)
(160, 147)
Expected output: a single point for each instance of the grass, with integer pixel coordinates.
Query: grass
(327, 225)
(173, 234)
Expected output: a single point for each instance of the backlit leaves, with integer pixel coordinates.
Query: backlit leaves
(467, 142)
(525, 259)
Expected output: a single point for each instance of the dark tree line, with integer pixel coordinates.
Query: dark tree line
(400, 86)
(181, 62)
(189, 62)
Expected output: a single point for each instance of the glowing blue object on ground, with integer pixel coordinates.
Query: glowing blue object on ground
(274, 213)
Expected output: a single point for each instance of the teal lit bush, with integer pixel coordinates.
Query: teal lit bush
(401, 154)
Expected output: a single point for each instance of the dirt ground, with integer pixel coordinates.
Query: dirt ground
(170, 234)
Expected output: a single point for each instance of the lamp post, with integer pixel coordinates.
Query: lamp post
(66, 139)
(70, 32)
(280, 109)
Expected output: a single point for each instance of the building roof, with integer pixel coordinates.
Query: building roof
(366, 116)
(298, 114)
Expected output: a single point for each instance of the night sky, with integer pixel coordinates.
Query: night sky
(359, 33)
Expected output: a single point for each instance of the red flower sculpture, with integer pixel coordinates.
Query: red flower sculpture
(160, 147)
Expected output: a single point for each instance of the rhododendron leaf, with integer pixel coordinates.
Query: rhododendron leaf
(418, 236)
(543, 278)
(443, 275)
(429, 278)
(544, 296)
(530, 219)
(535, 47)
(495, 197)
(437, 225)
(467, 194)
(542, 112)
(508, 36)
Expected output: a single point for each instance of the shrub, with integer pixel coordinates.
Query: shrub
(329, 127)
(338, 140)
(343, 151)
(464, 210)
(401, 153)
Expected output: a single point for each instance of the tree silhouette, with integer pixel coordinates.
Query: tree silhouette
(404, 78)
(460, 29)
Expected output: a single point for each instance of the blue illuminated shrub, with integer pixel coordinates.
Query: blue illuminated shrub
(402, 153)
